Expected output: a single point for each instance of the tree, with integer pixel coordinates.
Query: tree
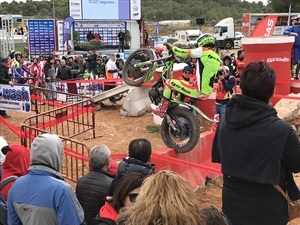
(283, 5)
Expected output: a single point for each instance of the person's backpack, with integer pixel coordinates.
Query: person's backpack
(3, 205)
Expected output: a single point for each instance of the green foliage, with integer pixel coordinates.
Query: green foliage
(128, 36)
(157, 10)
(36, 9)
(92, 45)
(283, 6)
(152, 129)
(212, 10)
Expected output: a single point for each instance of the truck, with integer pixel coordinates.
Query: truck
(225, 35)
(250, 20)
(187, 38)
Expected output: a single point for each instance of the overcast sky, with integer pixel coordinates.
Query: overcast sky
(264, 1)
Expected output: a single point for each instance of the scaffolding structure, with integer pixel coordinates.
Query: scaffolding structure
(7, 35)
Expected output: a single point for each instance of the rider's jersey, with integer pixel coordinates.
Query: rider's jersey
(18, 69)
(208, 63)
(35, 69)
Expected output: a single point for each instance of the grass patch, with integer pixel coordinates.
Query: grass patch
(152, 129)
(19, 47)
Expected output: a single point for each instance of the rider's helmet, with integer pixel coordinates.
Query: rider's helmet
(18, 54)
(206, 40)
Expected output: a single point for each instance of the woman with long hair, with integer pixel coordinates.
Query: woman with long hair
(165, 199)
(124, 195)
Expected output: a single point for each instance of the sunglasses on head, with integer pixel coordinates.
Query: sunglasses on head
(132, 197)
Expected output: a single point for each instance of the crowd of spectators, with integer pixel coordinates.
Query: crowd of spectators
(40, 195)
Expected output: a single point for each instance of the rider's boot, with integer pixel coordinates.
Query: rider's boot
(162, 109)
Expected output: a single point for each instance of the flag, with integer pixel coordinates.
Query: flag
(157, 30)
(265, 27)
(68, 23)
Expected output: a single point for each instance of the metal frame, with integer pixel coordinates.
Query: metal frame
(7, 38)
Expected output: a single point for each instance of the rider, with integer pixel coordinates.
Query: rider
(295, 31)
(19, 68)
(208, 64)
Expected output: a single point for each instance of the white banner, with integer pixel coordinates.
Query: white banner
(135, 9)
(75, 9)
(16, 98)
(60, 36)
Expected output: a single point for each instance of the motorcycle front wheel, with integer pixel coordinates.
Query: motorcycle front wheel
(181, 131)
(135, 76)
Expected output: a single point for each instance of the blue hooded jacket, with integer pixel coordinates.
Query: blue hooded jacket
(294, 29)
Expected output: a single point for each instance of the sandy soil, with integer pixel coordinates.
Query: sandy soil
(117, 131)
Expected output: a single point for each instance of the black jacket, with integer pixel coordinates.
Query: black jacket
(4, 76)
(91, 191)
(91, 61)
(64, 73)
(256, 150)
(129, 165)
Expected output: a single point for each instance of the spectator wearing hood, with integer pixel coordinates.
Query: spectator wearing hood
(42, 196)
(138, 160)
(16, 163)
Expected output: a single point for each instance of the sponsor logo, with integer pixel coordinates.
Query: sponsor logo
(270, 24)
(278, 59)
(135, 8)
(135, 14)
(75, 3)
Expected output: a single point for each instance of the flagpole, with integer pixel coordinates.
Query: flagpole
(289, 17)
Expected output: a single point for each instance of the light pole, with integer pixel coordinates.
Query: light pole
(53, 8)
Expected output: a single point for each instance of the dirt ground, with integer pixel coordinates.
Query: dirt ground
(117, 131)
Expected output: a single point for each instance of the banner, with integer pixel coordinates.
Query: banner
(265, 27)
(41, 37)
(68, 24)
(60, 36)
(16, 98)
(135, 9)
(75, 9)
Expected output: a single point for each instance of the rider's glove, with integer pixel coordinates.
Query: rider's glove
(203, 97)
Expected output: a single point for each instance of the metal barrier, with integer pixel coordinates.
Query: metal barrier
(68, 117)
(75, 162)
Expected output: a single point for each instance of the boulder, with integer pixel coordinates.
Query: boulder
(137, 102)
(288, 109)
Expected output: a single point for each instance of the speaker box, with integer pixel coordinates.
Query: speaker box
(200, 21)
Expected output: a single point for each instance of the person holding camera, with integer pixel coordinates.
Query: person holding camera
(225, 89)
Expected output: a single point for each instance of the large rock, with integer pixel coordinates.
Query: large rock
(288, 109)
(136, 102)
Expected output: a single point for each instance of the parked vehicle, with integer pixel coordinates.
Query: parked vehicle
(187, 38)
(224, 32)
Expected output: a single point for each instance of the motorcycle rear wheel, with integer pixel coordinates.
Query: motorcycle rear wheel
(134, 76)
(186, 137)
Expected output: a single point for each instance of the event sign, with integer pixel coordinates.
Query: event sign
(135, 9)
(68, 24)
(108, 30)
(16, 98)
(75, 9)
(41, 37)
